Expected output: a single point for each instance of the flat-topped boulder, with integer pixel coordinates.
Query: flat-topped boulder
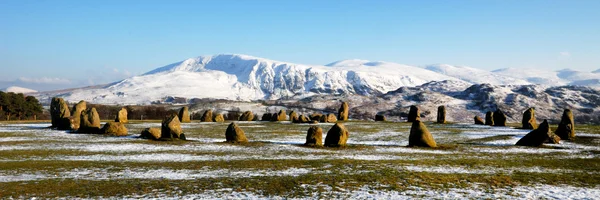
(234, 134)
(420, 136)
(337, 136)
(114, 129)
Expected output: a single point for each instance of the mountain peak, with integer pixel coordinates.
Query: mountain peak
(17, 89)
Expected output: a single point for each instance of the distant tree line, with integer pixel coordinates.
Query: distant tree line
(19, 107)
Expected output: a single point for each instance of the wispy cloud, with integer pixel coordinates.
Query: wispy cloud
(44, 80)
(564, 54)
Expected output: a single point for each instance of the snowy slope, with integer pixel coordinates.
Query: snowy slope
(242, 77)
(475, 76)
(16, 89)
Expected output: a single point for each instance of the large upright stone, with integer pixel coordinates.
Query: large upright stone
(184, 115)
(441, 115)
(281, 116)
(336, 136)
(122, 116)
(235, 134)
(380, 118)
(247, 116)
(293, 116)
(76, 114)
(59, 110)
(314, 136)
(478, 120)
(219, 118)
(566, 127)
(420, 136)
(489, 118)
(89, 121)
(171, 127)
(537, 137)
(528, 120)
(114, 129)
(343, 112)
(414, 114)
(499, 118)
(207, 116)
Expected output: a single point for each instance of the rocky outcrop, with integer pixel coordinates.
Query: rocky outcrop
(171, 127)
(247, 116)
(343, 112)
(566, 127)
(537, 137)
(207, 116)
(528, 120)
(380, 118)
(336, 136)
(441, 115)
(59, 112)
(235, 134)
(420, 136)
(184, 115)
(114, 129)
(414, 114)
(89, 121)
(219, 118)
(314, 136)
(478, 120)
(122, 116)
(499, 118)
(76, 114)
(151, 133)
(489, 118)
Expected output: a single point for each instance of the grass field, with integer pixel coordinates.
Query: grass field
(472, 162)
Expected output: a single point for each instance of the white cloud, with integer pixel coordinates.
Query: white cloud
(45, 80)
(565, 54)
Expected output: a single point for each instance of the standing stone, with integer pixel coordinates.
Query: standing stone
(281, 116)
(314, 136)
(441, 115)
(343, 112)
(336, 136)
(414, 114)
(114, 129)
(489, 118)
(478, 120)
(89, 121)
(122, 116)
(255, 118)
(499, 118)
(219, 118)
(171, 127)
(293, 116)
(207, 116)
(420, 136)
(247, 116)
(566, 127)
(328, 118)
(184, 115)
(528, 120)
(537, 137)
(315, 116)
(58, 110)
(235, 134)
(266, 117)
(380, 118)
(76, 114)
(302, 119)
(274, 117)
(151, 133)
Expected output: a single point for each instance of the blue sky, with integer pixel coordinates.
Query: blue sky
(60, 43)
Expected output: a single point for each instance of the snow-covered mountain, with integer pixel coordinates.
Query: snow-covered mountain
(242, 77)
(475, 76)
(17, 89)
